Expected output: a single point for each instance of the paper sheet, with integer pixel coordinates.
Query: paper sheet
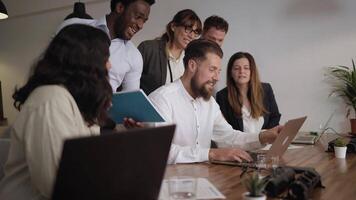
(205, 190)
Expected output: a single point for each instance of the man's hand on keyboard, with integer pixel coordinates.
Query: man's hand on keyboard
(229, 154)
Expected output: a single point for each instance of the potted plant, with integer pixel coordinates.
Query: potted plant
(344, 85)
(340, 148)
(255, 187)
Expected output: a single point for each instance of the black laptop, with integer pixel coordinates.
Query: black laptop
(125, 165)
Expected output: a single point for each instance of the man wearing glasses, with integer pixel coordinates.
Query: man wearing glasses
(163, 57)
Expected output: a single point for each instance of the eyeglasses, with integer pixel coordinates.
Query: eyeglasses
(189, 30)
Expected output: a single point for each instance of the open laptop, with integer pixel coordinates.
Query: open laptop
(307, 138)
(121, 165)
(279, 146)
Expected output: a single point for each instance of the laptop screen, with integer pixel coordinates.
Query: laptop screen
(127, 165)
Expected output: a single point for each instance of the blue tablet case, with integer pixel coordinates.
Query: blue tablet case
(133, 104)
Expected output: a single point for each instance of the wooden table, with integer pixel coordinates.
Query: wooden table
(338, 175)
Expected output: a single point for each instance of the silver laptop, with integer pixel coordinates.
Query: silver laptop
(308, 138)
(279, 146)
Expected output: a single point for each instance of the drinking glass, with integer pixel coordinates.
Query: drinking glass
(274, 163)
(261, 162)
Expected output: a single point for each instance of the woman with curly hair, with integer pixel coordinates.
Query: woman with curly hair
(66, 96)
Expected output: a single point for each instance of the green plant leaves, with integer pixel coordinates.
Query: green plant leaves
(254, 184)
(344, 84)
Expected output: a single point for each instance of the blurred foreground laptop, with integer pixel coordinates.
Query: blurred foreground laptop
(307, 138)
(121, 165)
(279, 146)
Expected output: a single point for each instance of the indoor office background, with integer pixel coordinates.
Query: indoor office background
(292, 41)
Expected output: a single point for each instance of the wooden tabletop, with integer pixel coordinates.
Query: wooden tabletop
(338, 175)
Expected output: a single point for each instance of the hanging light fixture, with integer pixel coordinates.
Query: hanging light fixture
(3, 11)
(79, 12)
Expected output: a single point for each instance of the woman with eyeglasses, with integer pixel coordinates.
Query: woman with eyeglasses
(247, 103)
(163, 57)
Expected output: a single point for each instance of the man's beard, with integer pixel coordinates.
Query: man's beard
(201, 91)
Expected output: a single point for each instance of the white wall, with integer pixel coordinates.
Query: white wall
(291, 40)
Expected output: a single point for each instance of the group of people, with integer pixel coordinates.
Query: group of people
(70, 89)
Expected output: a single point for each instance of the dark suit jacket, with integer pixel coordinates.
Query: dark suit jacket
(154, 64)
(271, 119)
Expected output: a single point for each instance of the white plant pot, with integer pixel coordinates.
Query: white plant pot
(246, 196)
(340, 152)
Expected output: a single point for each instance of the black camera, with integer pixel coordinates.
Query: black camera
(304, 184)
(299, 182)
(279, 181)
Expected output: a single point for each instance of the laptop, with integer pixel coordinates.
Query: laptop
(120, 165)
(131, 104)
(279, 146)
(307, 138)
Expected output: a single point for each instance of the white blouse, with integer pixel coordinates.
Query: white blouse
(251, 125)
(177, 67)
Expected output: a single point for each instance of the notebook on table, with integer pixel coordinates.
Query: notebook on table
(135, 105)
(127, 165)
(279, 146)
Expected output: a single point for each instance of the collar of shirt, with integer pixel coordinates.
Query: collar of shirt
(173, 59)
(185, 92)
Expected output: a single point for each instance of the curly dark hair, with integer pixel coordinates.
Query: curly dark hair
(127, 2)
(76, 59)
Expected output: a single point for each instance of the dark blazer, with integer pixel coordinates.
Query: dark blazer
(271, 119)
(155, 61)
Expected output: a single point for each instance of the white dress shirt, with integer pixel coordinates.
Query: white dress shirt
(251, 125)
(198, 122)
(49, 116)
(126, 60)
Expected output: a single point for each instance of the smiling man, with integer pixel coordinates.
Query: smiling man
(126, 18)
(188, 102)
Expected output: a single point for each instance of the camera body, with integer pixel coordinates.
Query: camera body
(279, 181)
(299, 182)
(307, 180)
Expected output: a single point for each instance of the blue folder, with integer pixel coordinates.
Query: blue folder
(133, 104)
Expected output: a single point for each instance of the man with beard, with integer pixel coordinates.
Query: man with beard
(188, 102)
(121, 24)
